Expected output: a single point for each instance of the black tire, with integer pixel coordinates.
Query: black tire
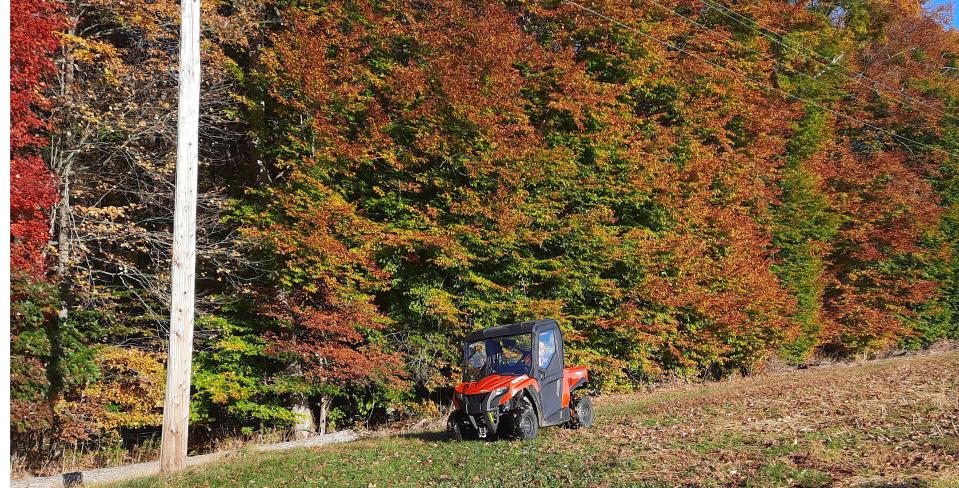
(581, 413)
(524, 425)
(454, 426)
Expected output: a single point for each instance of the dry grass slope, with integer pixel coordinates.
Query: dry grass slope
(893, 420)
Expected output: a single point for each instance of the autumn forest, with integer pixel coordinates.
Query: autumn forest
(692, 188)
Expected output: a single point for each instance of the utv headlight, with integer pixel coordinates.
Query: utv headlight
(498, 392)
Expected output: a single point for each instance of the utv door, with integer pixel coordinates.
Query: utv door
(549, 371)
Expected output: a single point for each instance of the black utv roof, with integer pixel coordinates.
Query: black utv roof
(511, 329)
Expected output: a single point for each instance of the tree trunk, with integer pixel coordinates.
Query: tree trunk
(64, 243)
(305, 425)
(63, 150)
(61, 165)
(324, 411)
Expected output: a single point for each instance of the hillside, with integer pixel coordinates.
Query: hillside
(688, 187)
(870, 424)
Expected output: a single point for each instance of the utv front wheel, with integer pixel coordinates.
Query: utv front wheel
(525, 425)
(454, 427)
(582, 413)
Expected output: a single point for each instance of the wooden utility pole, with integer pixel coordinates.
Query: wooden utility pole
(176, 407)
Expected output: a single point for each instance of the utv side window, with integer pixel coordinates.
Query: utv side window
(547, 347)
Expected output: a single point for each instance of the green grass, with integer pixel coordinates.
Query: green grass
(413, 461)
(758, 432)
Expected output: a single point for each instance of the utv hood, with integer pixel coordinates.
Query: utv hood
(489, 384)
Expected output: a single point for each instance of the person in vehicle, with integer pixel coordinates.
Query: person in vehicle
(522, 364)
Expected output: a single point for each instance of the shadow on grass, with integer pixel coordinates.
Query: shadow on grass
(442, 436)
(428, 436)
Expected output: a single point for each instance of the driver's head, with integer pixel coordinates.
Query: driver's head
(528, 358)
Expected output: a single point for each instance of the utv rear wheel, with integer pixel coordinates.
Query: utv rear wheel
(525, 425)
(582, 413)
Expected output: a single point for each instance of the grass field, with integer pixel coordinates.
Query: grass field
(886, 423)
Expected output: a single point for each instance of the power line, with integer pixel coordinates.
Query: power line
(812, 55)
(730, 38)
(778, 63)
(757, 81)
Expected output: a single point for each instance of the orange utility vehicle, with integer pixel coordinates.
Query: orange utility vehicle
(515, 381)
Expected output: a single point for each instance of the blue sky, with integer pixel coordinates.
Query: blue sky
(935, 3)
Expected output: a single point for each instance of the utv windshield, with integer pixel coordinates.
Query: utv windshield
(507, 355)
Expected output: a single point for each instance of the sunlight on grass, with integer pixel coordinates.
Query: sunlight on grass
(756, 432)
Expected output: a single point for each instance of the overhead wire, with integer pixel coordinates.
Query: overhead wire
(779, 63)
(730, 38)
(899, 138)
(822, 61)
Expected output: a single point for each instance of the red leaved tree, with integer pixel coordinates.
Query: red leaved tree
(327, 327)
(33, 40)
(878, 175)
